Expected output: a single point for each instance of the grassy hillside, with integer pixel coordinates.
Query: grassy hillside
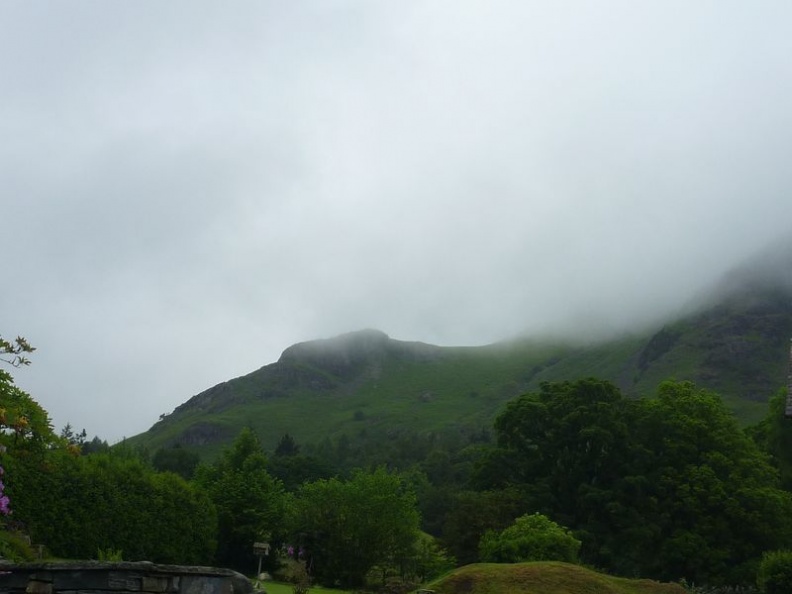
(365, 383)
(542, 578)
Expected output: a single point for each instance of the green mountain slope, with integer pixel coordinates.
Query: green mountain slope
(367, 383)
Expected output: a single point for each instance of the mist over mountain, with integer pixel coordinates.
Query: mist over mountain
(364, 382)
(768, 270)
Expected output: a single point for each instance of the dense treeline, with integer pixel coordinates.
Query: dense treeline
(666, 487)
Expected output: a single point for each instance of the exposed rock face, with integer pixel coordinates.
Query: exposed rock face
(347, 355)
(90, 577)
(201, 434)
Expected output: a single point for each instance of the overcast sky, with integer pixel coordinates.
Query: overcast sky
(188, 187)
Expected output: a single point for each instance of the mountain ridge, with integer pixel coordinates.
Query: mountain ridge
(366, 382)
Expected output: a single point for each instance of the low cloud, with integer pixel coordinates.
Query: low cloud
(189, 190)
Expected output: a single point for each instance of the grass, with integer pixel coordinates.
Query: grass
(542, 578)
(282, 588)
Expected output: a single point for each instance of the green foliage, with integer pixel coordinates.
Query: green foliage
(13, 352)
(287, 446)
(775, 572)
(472, 513)
(78, 505)
(15, 547)
(295, 573)
(429, 559)
(177, 460)
(24, 424)
(667, 487)
(250, 503)
(774, 435)
(532, 537)
(110, 555)
(348, 527)
(295, 470)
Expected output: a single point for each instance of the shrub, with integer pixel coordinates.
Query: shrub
(531, 538)
(775, 573)
(15, 546)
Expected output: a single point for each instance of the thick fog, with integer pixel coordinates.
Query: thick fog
(187, 188)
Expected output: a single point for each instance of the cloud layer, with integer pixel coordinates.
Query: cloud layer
(186, 190)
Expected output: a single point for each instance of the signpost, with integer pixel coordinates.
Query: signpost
(260, 550)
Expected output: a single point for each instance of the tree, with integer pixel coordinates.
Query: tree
(715, 500)
(565, 449)
(348, 527)
(287, 446)
(665, 487)
(20, 416)
(774, 436)
(532, 537)
(250, 503)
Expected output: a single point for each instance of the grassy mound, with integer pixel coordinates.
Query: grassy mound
(542, 578)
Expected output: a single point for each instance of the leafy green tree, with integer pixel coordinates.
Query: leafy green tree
(532, 537)
(348, 527)
(716, 501)
(665, 487)
(565, 449)
(250, 503)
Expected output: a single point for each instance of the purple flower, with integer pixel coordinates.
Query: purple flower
(4, 500)
(290, 551)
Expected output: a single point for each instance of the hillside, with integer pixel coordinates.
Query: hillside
(542, 578)
(366, 383)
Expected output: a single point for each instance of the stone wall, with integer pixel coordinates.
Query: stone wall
(90, 577)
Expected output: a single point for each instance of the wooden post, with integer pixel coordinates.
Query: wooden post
(260, 549)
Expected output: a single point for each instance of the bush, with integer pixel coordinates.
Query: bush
(15, 546)
(531, 538)
(775, 573)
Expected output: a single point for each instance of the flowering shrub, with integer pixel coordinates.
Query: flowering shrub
(294, 569)
(4, 500)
